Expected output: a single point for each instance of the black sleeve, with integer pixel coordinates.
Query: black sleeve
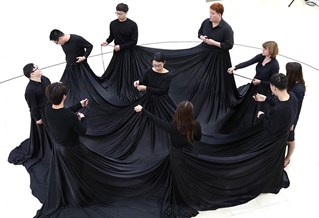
(33, 105)
(252, 61)
(76, 107)
(169, 127)
(87, 45)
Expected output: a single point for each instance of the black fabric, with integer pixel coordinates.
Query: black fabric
(126, 166)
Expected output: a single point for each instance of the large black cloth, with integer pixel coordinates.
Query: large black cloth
(125, 164)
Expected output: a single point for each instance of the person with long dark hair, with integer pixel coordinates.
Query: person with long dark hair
(184, 131)
(296, 84)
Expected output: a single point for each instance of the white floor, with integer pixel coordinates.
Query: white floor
(24, 38)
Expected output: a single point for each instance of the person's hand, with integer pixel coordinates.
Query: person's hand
(80, 115)
(84, 102)
(104, 44)
(39, 122)
(141, 87)
(256, 81)
(231, 70)
(203, 37)
(136, 83)
(80, 59)
(259, 97)
(138, 108)
(117, 48)
(260, 113)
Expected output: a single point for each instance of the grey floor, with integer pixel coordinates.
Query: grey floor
(171, 24)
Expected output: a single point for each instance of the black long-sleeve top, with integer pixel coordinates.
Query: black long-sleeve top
(263, 72)
(299, 90)
(64, 125)
(222, 33)
(35, 97)
(157, 83)
(178, 140)
(282, 116)
(123, 33)
(75, 47)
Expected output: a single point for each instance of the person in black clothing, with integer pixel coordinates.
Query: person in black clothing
(296, 84)
(183, 132)
(215, 31)
(156, 80)
(244, 115)
(34, 153)
(285, 105)
(77, 50)
(36, 100)
(123, 30)
(122, 69)
(65, 124)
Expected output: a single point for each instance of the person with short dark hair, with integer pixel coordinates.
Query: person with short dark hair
(34, 153)
(296, 84)
(65, 124)
(36, 100)
(77, 50)
(285, 105)
(123, 31)
(123, 68)
(156, 80)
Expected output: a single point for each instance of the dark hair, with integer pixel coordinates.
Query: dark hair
(279, 80)
(272, 48)
(294, 74)
(159, 57)
(28, 69)
(219, 8)
(55, 35)
(55, 92)
(184, 120)
(122, 7)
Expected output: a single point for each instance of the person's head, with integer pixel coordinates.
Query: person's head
(56, 35)
(270, 48)
(158, 61)
(184, 119)
(294, 74)
(121, 11)
(216, 12)
(56, 92)
(278, 81)
(31, 71)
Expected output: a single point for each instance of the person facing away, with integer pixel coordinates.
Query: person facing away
(156, 80)
(267, 65)
(76, 48)
(284, 112)
(183, 130)
(215, 31)
(123, 30)
(296, 84)
(65, 124)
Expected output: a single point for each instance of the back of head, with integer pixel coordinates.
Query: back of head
(272, 47)
(159, 57)
(279, 80)
(219, 8)
(122, 7)
(294, 74)
(55, 92)
(55, 35)
(28, 69)
(184, 112)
